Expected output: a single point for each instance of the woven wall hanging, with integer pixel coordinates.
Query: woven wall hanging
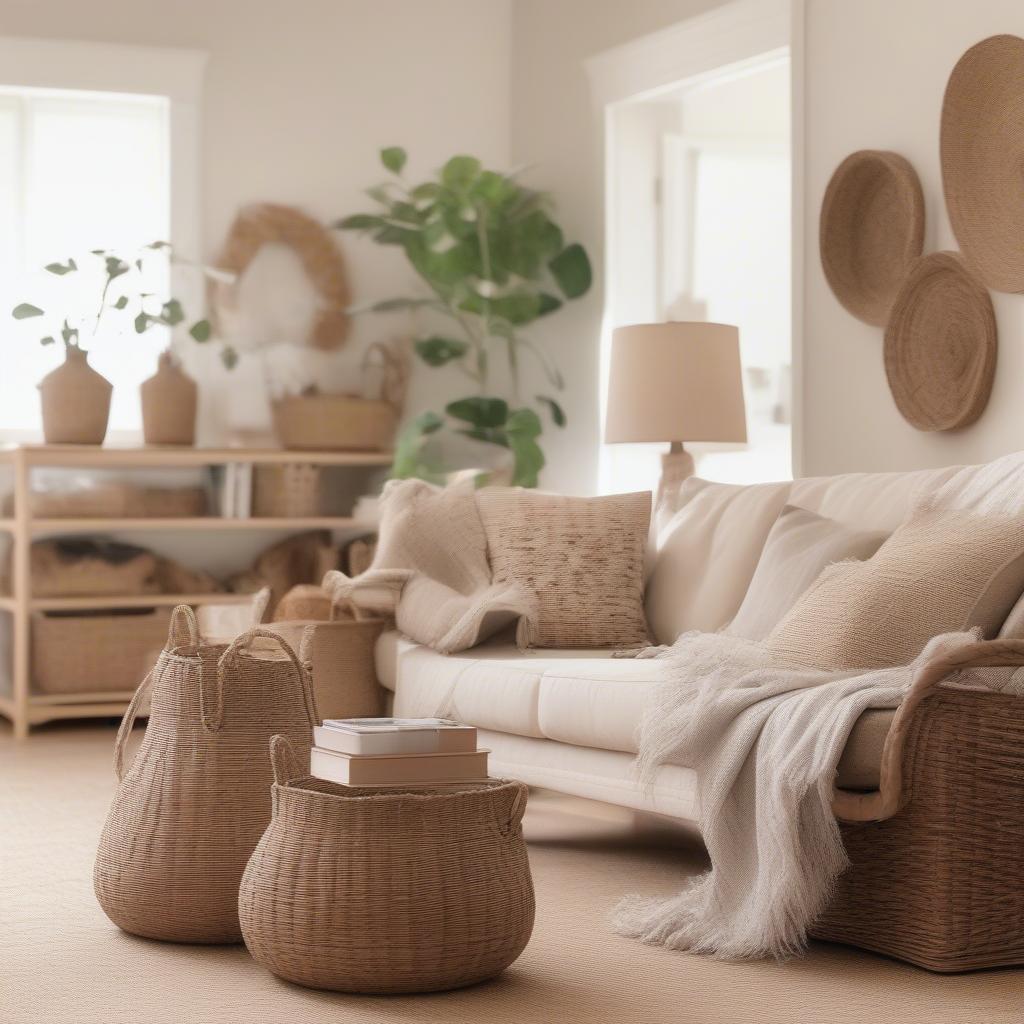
(263, 223)
(982, 150)
(940, 344)
(871, 230)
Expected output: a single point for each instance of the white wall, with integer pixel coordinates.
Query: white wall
(556, 131)
(875, 75)
(300, 96)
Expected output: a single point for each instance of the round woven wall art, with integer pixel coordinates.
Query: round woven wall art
(982, 148)
(263, 223)
(871, 230)
(940, 344)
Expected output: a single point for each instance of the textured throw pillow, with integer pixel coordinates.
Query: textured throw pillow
(799, 546)
(581, 559)
(940, 571)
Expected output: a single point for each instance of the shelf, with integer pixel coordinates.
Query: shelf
(89, 603)
(49, 700)
(39, 713)
(69, 525)
(141, 457)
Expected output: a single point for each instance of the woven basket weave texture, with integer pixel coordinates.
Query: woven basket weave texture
(191, 808)
(364, 890)
(941, 884)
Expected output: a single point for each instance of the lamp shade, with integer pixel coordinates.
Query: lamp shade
(675, 382)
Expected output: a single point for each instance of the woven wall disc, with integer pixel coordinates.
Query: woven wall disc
(982, 148)
(940, 344)
(871, 230)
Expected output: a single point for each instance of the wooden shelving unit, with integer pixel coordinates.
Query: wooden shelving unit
(21, 705)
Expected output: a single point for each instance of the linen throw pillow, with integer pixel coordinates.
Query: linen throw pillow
(799, 546)
(942, 570)
(581, 560)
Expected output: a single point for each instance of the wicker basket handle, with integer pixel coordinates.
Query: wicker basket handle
(890, 796)
(510, 819)
(183, 631)
(213, 717)
(283, 760)
(125, 729)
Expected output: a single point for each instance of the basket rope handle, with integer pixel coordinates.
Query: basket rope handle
(213, 717)
(890, 796)
(183, 630)
(283, 760)
(127, 723)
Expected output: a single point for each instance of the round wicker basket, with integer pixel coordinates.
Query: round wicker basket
(940, 345)
(981, 144)
(871, 230)
(370, 890)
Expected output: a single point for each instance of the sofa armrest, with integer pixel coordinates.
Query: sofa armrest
(891, 796)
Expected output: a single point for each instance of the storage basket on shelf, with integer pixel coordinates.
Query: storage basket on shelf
(339, 656)
(293, 491)
(373, 890)
(83, 653)
(936, 872)
(189, 811)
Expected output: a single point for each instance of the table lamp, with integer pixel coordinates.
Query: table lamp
(675, 382)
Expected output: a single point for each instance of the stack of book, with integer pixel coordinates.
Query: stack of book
(399, 752)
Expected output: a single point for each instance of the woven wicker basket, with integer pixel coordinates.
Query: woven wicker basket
(937, 855)
(339, 656)
(190, 810)
(293, 491)
(335, 423)
(364, 890)
(95, 653)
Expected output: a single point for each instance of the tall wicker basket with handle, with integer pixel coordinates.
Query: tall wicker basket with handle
(192, 807)
(359, 889)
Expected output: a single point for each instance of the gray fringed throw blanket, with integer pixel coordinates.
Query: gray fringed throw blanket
(765, 742)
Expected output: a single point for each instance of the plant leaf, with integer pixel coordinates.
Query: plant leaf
(557, 413)
(479, 411)
(48, 340)
(157, 245)
(24, 310)
(548, 304)
(142, 322)
(395, 305)
(229, 357)
(172, 313)
(436, 351)
(121, 302)
(393, 158)
(201, 330)
(358, 222)
(571, 269)
(69, 333)
(524, 422)
(410, 441)
(460, 172)
(490, 435)
(116, 267)
(60, 269)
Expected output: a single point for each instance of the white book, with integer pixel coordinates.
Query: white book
(368, 736)
(243, 490)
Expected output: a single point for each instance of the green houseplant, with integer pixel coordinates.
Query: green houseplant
(75, 398)
(494, 262)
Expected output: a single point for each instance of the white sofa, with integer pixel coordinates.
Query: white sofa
(566, 720)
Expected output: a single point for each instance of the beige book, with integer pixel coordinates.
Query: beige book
(391, 769)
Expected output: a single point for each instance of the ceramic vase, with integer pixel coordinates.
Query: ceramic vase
(169, 400)
(76, 401)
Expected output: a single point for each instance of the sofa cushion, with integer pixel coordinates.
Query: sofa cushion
(800, 545)
(580, 560)
(941, 571)
(713, 535)
(582, 698)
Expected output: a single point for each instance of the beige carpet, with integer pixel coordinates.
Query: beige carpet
(62, 962)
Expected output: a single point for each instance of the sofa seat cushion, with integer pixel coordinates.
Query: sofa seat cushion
(582, 698)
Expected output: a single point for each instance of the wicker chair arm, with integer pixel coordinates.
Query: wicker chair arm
(889, 797)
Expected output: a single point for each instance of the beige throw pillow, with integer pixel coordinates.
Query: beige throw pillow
(800, 545)
(940, 571)
(581, 559)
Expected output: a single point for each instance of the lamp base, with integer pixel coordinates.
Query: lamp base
(676, 467)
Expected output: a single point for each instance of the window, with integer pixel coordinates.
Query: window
(98, 150)
(80, 171)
